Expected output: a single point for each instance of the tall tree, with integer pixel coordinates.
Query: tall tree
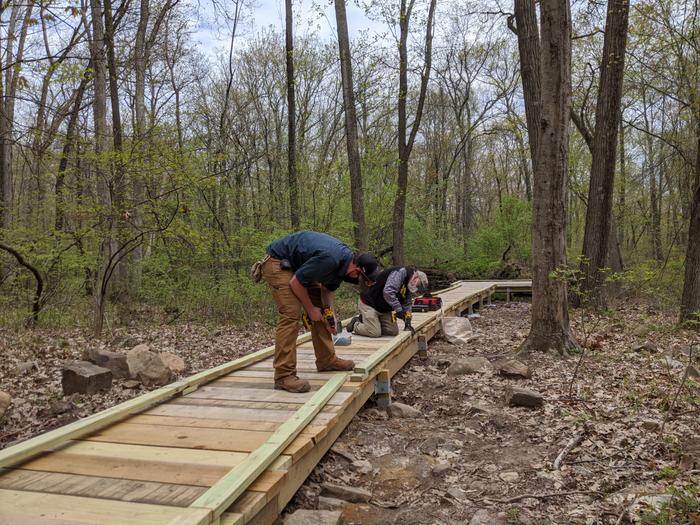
(600, 192)
(406, 142)
(356, 192)
(690, 302)
(550, 319)
(529, 51)
(291, 118)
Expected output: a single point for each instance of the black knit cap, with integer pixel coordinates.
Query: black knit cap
(368, 265)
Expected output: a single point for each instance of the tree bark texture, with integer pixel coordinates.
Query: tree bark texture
(291, 119)
(97, 51)
(690, 302)
(529, 51)
(601, 188)
(356, 191)
(550, 319)
(406, 143)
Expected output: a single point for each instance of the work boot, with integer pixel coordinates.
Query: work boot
(353, 322)
(339, 365)
(292, 384)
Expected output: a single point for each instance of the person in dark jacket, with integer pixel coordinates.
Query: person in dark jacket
(391, 292)
(303, 270)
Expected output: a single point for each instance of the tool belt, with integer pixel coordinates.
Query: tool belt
(256, 269)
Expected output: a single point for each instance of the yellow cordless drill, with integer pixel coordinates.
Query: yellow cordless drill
(328, 316)
(407, 316)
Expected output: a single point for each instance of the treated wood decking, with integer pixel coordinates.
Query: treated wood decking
(184, 460)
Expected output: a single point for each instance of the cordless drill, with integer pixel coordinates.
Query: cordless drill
(328, 316)
(407, 315)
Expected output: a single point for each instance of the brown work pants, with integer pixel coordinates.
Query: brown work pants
(374, 324)
(289, 309)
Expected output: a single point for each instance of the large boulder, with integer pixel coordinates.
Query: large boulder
(114, 361)
(147, 366)
(469, 365)
(5, 401)
(83, 377)
(175, 363)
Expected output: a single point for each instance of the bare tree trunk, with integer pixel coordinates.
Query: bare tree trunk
(690, 302)
(356, 191)
(406, 143)
(550, 319)
(623, 188)
(68, 146)
(97, 51)
(291, 119)
(8, 95)
(529, 51)
(600, 192)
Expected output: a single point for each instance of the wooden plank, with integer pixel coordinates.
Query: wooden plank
(156, 493)
(149, 419)
(261, 395)
(31, 447)
(221, 495)
(50, 509)
(382, 353)
(194, 437)
(251, 405)
(222, 412)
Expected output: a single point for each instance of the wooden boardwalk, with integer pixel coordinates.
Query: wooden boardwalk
(221, 447)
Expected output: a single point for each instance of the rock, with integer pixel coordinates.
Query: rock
(124, 341)
(469, 365)
(131, 384)
(314, 517)
(488, 517)
(640, 331)
(509, 477)
(147, 367)
(646, 347)
(175, 363)
(480, 408)
(351, 494)
(375, 413)
(26, 367)
(114, 361)
(440, 469)
(362, 466)
(343, 452)
(522, 397)
(672, 363)
(82, 377)
(457, 493)
(515, 369)
(399, 410)
(61, 406)
(650, 424)
(325, 503)
(5, 401)
(690, 455)
(647, 504)
(693, 372)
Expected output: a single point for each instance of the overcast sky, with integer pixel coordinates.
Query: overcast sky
(308, 20)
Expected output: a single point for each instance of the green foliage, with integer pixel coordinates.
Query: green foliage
(684, 508)
(510, 228)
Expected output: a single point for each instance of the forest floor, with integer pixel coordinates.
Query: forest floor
(468, 458)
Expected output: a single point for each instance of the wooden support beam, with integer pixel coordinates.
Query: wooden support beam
(382, 388)
(220, 496)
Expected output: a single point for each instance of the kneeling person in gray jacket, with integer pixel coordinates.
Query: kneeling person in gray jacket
(391, 292)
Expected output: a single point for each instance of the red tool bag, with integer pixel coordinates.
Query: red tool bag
(427, 303)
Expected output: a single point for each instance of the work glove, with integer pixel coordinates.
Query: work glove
(401, 314)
